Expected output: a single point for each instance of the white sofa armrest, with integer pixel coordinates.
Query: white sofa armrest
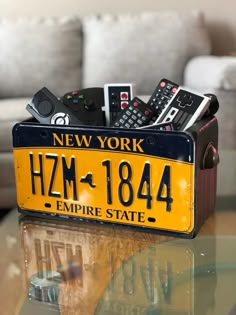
(211, 72)
(217, 75)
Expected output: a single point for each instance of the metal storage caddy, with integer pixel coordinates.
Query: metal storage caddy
(164, 181)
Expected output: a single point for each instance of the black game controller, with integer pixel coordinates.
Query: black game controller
(86, 104)
(47, 109)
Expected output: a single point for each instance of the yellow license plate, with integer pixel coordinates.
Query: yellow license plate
(136, 178)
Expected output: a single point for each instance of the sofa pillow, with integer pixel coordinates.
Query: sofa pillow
(37, 52)
(141, 48)
(218, 72)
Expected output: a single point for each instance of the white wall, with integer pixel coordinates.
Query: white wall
(220, 14)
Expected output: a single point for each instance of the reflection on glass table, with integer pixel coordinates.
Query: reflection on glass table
(85, 268)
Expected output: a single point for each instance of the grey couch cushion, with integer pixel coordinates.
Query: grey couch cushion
(7, 197)
(37, 52)
(7, 178)
(215, 72)
(141, 48)
(13, 111)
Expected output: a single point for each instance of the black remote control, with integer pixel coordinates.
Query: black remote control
(214, 105)
(47, 109)
(116, 96)
(184, 109)
(162, 94)
(135, 115)
(86, 104)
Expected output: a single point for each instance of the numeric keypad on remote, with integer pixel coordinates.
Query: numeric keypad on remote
(136, 114)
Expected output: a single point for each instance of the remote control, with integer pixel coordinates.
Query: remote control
(184, 109)
(87, 105)
(214, 105)
(167, 126)
(47, 109)
(134, 115)
(117, 97)
(162, 94)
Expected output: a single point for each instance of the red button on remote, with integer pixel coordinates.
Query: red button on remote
(162, 84)
(135, 104)
(123, 95)
(123, 105)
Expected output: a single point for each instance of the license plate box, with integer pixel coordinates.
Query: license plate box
(164, 181)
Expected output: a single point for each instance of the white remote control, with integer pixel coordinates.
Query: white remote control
(184, 109)
(116, 97)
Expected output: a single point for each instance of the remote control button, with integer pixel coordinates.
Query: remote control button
(162, 84)
(174, 90)
(146, 113)
(124, 105)
(75, 93)
(135, 104)
(89, 105)
(75, 101)
(124, 95)
(114, 96)
(69, 97)
(60, 119)
(81, 97)
(45, 108)
(115, 106)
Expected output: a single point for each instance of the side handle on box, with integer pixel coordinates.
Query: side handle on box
(210, 157)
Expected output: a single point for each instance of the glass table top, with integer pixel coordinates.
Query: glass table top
(89, 268)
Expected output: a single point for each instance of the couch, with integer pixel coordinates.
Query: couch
(69, 53)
